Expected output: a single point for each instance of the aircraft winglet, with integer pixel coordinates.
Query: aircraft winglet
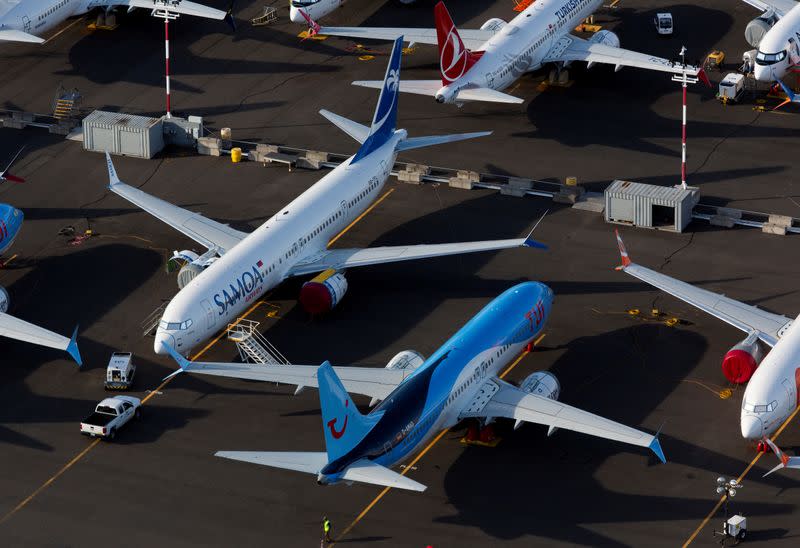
(72, 348)
(112, 173)
(783, 457)
(183, 363)
(790, 96)
(655, 447)
(530, 242)
(6, 176)
(626, 261)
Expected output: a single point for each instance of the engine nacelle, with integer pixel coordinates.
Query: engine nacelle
(756, 29)
(323, 293)
(605, 37)
(742, 360)
(187, 273)
(5, 300)
(494, 24)
(541, 383)
(190, 263)
(407, 359)
(445, 95)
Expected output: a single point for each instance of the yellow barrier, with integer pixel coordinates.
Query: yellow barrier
(236, 155)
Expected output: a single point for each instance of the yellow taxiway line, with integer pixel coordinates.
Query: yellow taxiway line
(739, 479)
(428, 447)
(205, 349)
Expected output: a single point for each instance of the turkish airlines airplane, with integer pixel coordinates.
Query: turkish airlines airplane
(239, 268)
(27, 20)
(476, 65)
(10, 224)
(771, 394)
(421, 397)
(776, 34)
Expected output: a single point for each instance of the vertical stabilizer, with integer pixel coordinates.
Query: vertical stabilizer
(385, 120)
(343, 424)
(454, 59)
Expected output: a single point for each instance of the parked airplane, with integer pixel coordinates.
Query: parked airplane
(785, 460)
(26, 21)
(475, 65)
(776, 34)
(11, 327)
(421, 397)
(317, 8)
(771, 394)
(238, 268)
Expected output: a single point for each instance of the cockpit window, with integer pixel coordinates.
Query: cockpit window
(754, 408)
(175, 326)
(770, 58)
(303, 3)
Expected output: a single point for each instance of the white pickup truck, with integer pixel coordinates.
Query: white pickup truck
(110, 415)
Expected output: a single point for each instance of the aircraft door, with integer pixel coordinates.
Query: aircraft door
(209, 311)
(790, 391)
(26, 23)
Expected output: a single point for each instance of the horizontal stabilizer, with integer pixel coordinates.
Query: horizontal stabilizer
(357, 131)
(19, 36)
(486, 95)
(310, 463)
(421, 142)
(366, 471)
(420, 87)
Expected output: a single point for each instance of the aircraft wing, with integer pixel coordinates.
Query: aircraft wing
(211, 234)
(780, 7)
(341, 259)
(369, 381)
(573, 48)
(184, 7)
(14, 328)
(9, 35)
(473, 39)
(510, 402)
(742, 316)
(430, 87)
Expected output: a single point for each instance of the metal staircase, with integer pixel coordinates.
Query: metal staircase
(151, 321)
(65, 103)
(252, 345)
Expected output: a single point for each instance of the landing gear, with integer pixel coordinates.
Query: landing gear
(763, 447)
(558, 76)
(479, 434)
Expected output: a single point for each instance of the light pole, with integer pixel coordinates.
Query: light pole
(727, 488)
(163, 12)
(684, 79)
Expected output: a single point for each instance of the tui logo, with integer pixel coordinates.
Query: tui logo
(332, 424)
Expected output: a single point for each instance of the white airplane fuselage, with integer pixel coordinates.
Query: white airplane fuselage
(779, 49)
(261, 261)
(771, 395)
(40, 16)
(520, 46)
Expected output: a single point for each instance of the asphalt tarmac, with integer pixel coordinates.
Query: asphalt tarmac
(159, 483)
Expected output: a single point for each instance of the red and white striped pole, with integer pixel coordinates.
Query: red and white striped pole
(684, 79)
(166, 59)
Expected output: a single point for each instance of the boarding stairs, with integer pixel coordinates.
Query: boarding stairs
(252, 345)
(65, 103)
(269, 16)
(150, 323)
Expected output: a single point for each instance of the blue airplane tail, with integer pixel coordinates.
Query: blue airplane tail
(343, 424)
(384, 122)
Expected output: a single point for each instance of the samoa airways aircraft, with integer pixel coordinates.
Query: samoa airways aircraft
(776, 34)
(476, 65)
(421, 397)
(27, 20)
(11, 327)
(238, 268)
(771, 394)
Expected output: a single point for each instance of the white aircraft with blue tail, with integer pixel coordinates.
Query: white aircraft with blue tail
(421, 397)
(238, 268)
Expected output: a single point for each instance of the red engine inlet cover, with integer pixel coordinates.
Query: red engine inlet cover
(316, 298)
(738, 366)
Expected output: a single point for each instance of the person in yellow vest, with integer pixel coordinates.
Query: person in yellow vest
(326, 528)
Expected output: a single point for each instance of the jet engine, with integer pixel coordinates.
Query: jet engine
(445, 95)
(407, 359)
(4, 299)
(323, 293)
(605, 37)
(756, 29)
(494, 24)
(741, 361)
(541, 383)
(191, 264)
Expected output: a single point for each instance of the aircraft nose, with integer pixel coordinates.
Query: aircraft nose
(752, 427)
(295, 16)
(163, 337)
